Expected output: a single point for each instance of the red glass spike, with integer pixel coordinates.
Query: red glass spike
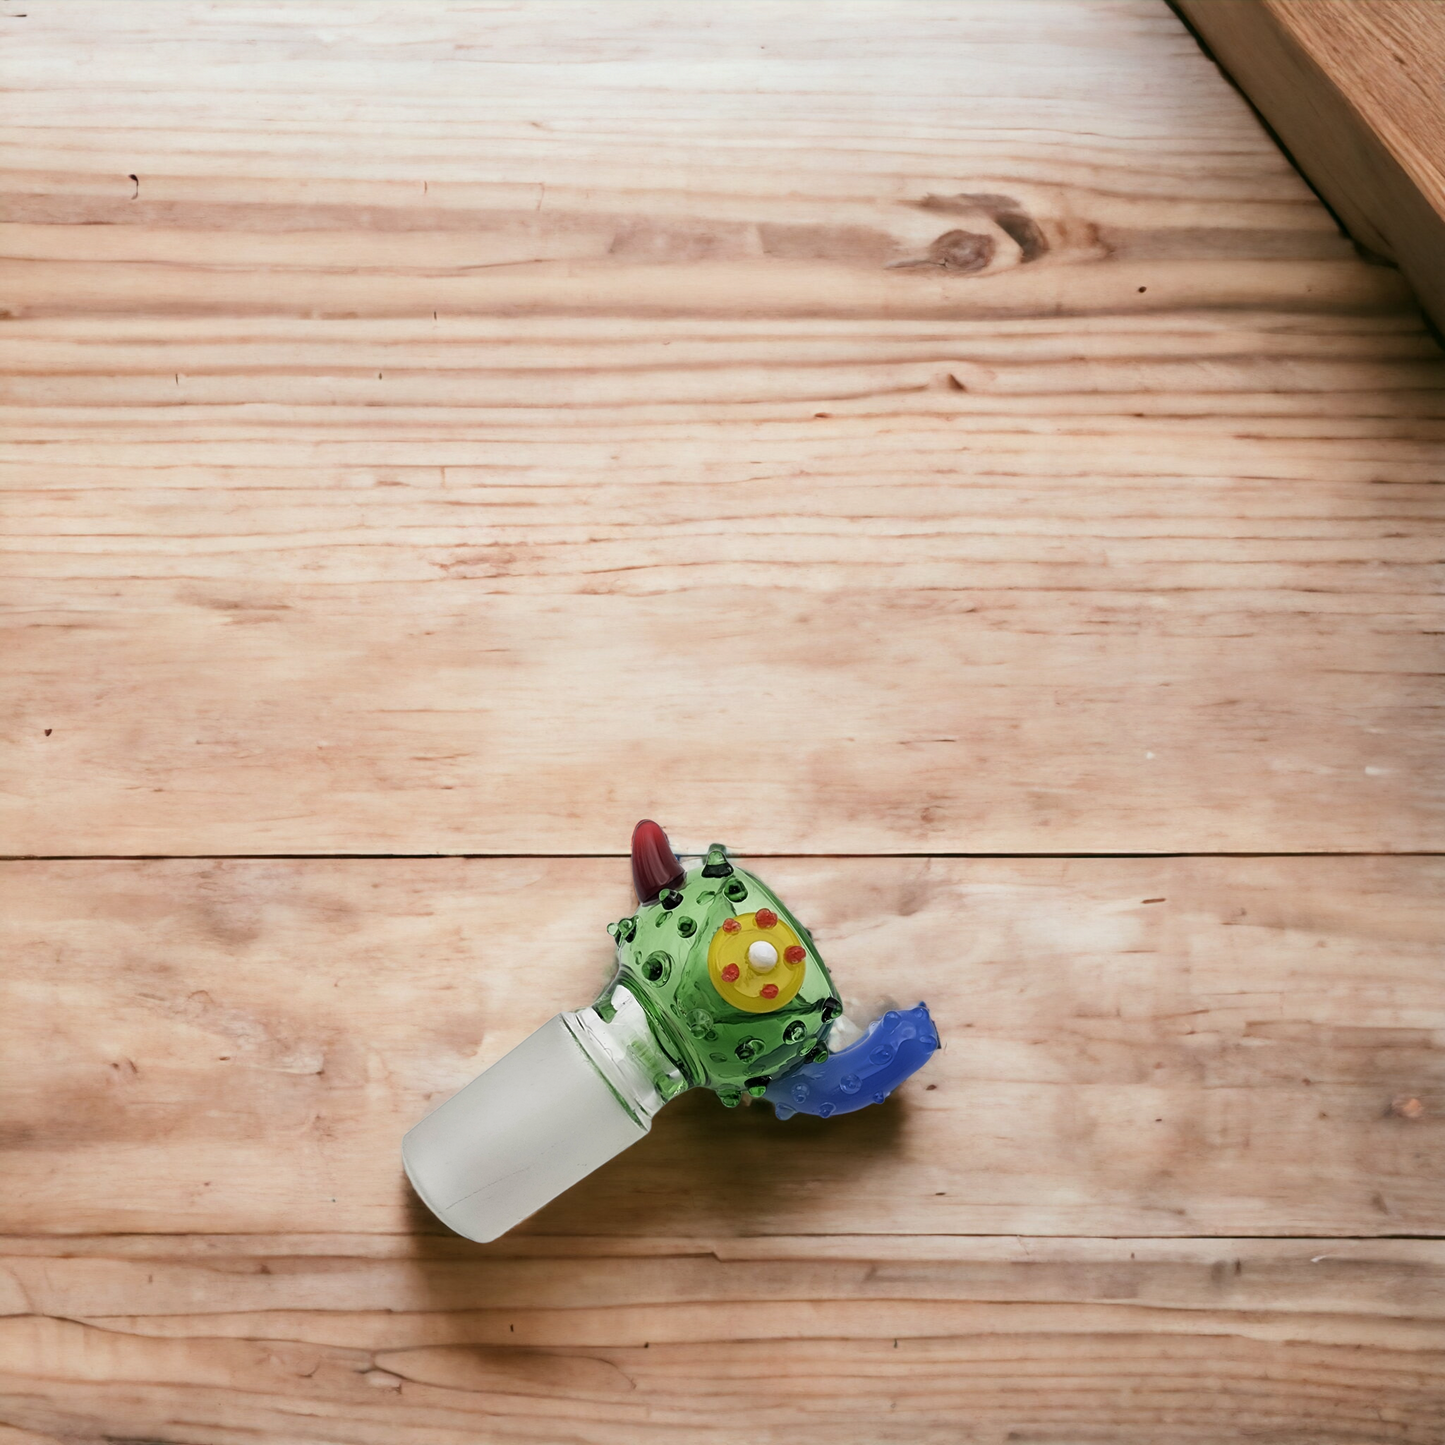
(731, 925)
(766, 918)
(795, 953)
(769, 990)
(654, 864)
(730, 973)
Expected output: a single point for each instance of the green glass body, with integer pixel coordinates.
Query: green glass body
(662, 961)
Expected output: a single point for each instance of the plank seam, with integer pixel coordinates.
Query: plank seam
(505, 857)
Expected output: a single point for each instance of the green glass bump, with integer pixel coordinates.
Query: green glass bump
(794, 1031)
(687, 927)
(657, 967)
(735, 889)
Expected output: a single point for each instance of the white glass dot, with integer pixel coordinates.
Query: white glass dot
(762, 955)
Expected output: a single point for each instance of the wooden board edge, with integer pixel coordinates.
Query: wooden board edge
(1331, 143)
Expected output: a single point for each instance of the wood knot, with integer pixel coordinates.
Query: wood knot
(962, 250)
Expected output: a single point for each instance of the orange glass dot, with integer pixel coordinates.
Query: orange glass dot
(731, 925)
(730, 973)
(795, 953)
(769, 990)
(766, 918)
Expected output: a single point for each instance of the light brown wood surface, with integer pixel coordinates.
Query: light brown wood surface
(210, 1063)
(855, 1340)
(1134, 1046)
(1356, 90)
(474, 427)
(888, 438)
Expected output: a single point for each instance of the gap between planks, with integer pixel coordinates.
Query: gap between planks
(751, 853)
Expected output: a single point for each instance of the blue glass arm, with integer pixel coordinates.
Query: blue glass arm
(866, 1072)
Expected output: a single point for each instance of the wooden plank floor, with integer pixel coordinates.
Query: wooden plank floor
(943, 451)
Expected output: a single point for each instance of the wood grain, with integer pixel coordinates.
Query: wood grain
(364, 1339)
(851, 430)
(467, 432)
(1173, 1046)
(1357, 93)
